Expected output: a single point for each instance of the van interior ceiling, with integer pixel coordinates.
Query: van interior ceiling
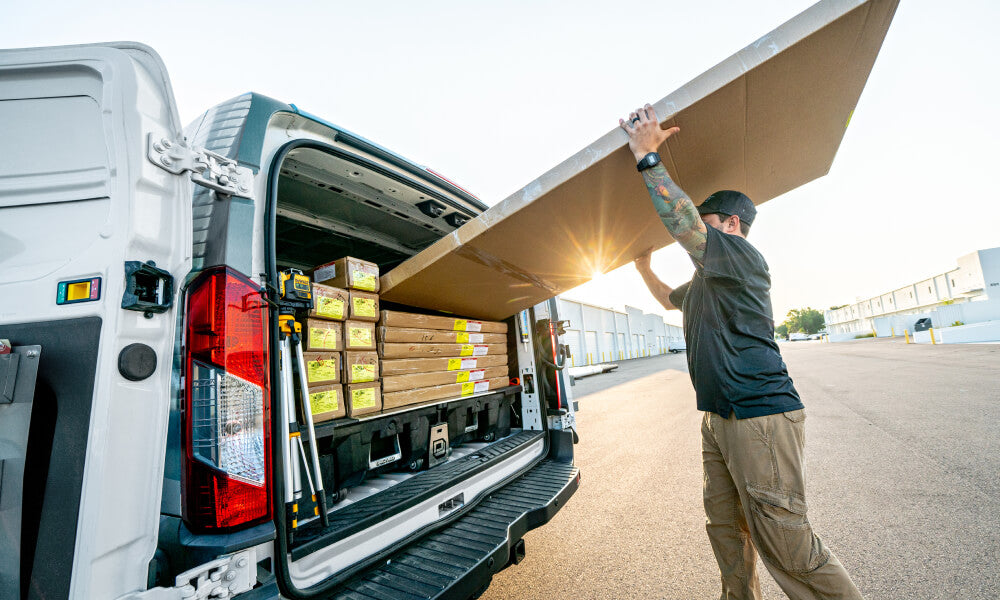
(329, 205)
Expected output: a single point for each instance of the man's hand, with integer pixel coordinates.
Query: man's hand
(644, 133)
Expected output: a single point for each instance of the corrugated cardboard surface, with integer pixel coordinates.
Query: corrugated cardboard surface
(360, 367)
(438, 392)
(363, 306)
(320, 334)
(363, 398)
(322, 367)
(428, 336)
(398, 383)
(394, 318)
(765, 121)
(329, 302)
(327, 402)
(401, 366)
(390, 350)
(359, 335)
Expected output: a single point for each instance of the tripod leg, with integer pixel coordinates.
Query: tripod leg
(307, 410)
(290, 461)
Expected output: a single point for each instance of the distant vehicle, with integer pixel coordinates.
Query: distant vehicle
(797, 336)
(675, 347)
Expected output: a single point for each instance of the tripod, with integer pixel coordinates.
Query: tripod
(290, 332)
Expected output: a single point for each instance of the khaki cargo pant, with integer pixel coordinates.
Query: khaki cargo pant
(755, 492)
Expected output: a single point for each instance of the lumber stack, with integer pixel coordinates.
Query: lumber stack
(425, 358)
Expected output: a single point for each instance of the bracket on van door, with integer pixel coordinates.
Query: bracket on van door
(208, 169)
(148, 289)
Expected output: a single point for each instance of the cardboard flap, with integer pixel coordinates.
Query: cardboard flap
(764, 121)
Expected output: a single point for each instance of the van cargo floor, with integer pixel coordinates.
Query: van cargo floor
(455, 561)
(369, 511)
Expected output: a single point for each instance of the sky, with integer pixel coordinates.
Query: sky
(493, 94)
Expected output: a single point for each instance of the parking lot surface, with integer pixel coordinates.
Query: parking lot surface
(903, 455)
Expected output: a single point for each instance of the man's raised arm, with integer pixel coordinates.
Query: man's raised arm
(660, 290)
(675, 209)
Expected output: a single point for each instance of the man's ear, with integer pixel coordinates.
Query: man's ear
(733, 224)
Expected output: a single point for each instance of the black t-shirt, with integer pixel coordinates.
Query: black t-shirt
(734, 362)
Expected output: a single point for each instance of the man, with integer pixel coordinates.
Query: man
(753, 435)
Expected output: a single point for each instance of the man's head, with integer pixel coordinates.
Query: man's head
(729, 212)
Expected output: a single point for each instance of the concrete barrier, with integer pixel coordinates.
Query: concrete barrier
(988, 331)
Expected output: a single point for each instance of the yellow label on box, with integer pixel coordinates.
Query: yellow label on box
(322, 370)
(322, 337)
(462, 337)
(455, 364)
(322, 402)
(363, 398)
(460, 324)
(332, 308)
(359, 336)
(365, 281)
(461, 376)
(467, 350)
(364, 307)
(468, 388)
(362, 373)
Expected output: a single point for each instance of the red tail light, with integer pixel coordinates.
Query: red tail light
(226, 426)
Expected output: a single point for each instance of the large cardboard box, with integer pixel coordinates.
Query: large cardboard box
(363, 398)
(327, 402)
(395, 318)
(359, 335)
(363, 306)
(329, 302)
(442, 392)
(391, 350)
(322, 335)
(360, 367)
(322, 368)
(350, 273)
(402, 366)
(427, 336)
(396, 383)
(764, 121)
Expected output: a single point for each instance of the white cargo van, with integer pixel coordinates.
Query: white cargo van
(139, 427)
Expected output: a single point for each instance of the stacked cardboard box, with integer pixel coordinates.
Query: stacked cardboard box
(426, 358)
(357, 283)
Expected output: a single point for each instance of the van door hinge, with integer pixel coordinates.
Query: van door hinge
(207, 169)
(223, 577)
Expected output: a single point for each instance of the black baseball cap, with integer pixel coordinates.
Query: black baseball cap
(728, 202)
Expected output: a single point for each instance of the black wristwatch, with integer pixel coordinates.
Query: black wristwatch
(650, 160)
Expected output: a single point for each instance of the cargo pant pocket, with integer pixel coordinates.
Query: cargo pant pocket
(782, 532)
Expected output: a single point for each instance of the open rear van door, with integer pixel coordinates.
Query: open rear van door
(95, 236)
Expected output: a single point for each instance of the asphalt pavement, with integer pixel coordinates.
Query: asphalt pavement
(903, 460)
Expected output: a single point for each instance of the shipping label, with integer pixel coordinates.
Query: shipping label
(459, 325)
(475, 387)
(325, 273)
(359, 337)
(480, 350)
(467, 350)
(364, 280)
(322, 337)
(324, 401)
(363, 398)
(455, 364)
(322, 370)
(362, 373)
(473, 375)
(474, 326)
(365, 307)
(331, 308)
(462, 337)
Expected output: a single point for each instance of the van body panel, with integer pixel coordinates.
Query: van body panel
(78, 199)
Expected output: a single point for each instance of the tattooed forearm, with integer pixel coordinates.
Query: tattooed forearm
(676, 211)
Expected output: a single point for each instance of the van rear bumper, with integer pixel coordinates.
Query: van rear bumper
(459, 559)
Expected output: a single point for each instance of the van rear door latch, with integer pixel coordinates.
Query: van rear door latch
(208, 169)
(148, 289)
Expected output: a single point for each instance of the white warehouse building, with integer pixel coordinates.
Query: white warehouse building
(967, 294)
(596, 334)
